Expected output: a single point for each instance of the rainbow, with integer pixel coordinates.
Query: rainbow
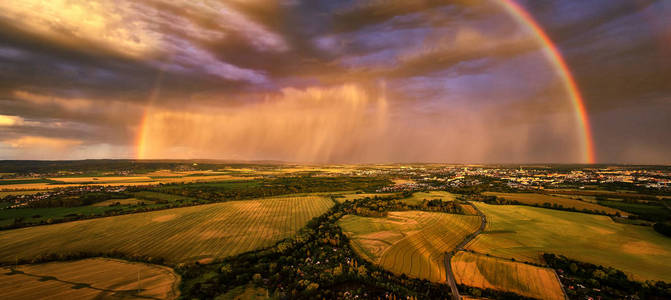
(553, 54)
(523, 18)
(141, 142)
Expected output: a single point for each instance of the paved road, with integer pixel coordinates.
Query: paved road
(448, 256)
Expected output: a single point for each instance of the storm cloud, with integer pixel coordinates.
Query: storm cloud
(331, 81)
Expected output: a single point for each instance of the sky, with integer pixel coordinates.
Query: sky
(327, 81)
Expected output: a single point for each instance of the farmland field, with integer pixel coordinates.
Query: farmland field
(566, 202)
(37, 215)
(93, 278)
(524, 233)
(65, 182)
(409, 242)
(179, 235)
(494, 273)
(418, 197)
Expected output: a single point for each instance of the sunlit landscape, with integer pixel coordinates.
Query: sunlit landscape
(289, 149)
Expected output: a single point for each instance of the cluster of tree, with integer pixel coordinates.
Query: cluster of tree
(439, 205)
(379, 206)
(653, 211)
(69, 256)
(76, 199)
(663, 228)
(585, 280)
(490, 293)
(217, 192)
(573, 209)
(484, 184)
(498, 200)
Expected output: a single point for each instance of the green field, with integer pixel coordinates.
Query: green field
(152, 200)
(486, 272)
(37, 215)
(418, 197)
(650, 211)
(525, 233)
(95, 278)
(186, 234)
(24, 181)
(409, 242)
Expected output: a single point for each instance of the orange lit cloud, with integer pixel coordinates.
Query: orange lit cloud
(314, 124)
(351, 123)
(10, 120)
(72, 104)
(108, 24)
(46, 143)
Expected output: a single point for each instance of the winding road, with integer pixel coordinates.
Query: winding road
(448, 255)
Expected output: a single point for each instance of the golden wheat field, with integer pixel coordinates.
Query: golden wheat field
(94, 278)
(566, 202)
(410, 242)
(486, 272)
(194, 233)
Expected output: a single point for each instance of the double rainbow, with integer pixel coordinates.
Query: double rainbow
(523, 18)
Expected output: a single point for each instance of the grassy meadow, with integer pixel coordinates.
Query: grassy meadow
(566, 202)
(525, 233)
(486, 272)
(95, 278)
(185, 234)
(409, 242)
